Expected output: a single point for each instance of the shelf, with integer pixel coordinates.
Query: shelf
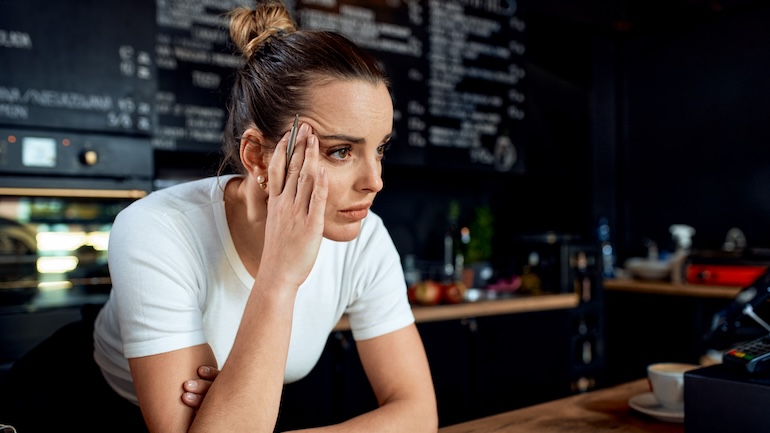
(669, 289)
(523, 304)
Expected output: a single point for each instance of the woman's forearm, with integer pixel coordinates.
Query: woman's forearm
(247, 392)
(402, 416)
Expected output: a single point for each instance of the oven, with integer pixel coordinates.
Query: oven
(59, 195)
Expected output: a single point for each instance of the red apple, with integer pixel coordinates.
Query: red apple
(454, 292)
(427, 292)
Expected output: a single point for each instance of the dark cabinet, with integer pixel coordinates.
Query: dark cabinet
(519, 360)
(480, 366)
(644, 328)
(20, 331)
(450, 346)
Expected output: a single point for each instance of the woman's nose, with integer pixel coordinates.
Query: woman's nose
(370, 175)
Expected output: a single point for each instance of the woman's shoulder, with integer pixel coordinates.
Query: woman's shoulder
(182, 197)
(179, 205)
(205, 189)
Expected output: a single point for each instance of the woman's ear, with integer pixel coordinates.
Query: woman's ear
(253, 155)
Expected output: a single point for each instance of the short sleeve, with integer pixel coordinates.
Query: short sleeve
(381, 304)
(152, 260)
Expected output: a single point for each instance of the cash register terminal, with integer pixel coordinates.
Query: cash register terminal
(753, 355)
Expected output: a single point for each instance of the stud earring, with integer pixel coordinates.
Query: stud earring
(262, 181)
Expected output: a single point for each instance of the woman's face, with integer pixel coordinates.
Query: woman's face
(353, 121)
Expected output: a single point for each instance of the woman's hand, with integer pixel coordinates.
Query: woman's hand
(196, 389)
(296, 206)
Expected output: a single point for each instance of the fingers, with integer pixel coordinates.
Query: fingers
(300, 180)
(283, 175)
(207, 372)
(317, 205)
(298, 159)
(192, 400)
(196, 389)
(312, 182)
(197, 386)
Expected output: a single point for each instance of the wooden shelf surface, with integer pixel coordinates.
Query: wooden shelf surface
(522, 304)
(667, 288)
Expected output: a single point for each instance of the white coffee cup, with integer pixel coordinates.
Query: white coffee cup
(667, 382)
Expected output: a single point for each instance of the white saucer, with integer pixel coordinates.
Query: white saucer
(647, 403)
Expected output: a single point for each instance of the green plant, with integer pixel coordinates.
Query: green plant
(482, 231)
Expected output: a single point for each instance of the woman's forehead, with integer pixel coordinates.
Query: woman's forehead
(352, 107)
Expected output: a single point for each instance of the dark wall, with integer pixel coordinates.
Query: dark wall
(696, 110)
(672, 98)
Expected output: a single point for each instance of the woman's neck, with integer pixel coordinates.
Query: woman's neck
(246, 211)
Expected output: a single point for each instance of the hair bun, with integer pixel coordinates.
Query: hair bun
(250, 28)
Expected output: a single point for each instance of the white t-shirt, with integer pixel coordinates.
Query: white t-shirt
(177, 282)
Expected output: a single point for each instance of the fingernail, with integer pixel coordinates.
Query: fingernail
(205, 370)
(190, 396)
(192, 384)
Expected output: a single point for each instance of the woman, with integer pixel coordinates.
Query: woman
(249, 272)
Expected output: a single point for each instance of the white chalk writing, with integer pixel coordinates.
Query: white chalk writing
(360, 25)
(15, 39)
(56, 99)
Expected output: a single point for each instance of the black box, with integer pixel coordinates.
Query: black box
(721, 398)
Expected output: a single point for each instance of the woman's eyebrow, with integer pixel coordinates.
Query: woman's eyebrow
(342, 137)
(350, 138)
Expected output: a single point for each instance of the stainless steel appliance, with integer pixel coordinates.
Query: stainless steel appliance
(59, 194)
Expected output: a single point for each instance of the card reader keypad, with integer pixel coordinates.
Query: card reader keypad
(752, 355)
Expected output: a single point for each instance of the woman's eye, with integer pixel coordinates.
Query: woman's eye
(340, 153)
(381, 149)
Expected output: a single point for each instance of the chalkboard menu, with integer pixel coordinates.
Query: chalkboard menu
(457, 70)
(195, 68)
(163, 68)
(78, 65)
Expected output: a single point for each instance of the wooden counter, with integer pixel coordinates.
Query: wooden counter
(667, 288)
(522, 304)
(604, 410)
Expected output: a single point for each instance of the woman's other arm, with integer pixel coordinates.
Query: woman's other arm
(158, 380)
(399, 373)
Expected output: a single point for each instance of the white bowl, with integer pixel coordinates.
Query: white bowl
(647, 269)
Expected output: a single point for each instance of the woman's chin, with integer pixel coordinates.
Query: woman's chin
(342, 233)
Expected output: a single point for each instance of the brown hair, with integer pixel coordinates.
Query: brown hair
(282, 64)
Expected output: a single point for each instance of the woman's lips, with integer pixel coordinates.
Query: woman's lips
(355, 214)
